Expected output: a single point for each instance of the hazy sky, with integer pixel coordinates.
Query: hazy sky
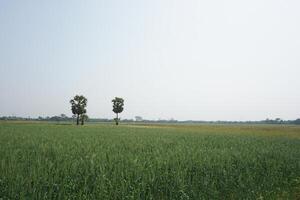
(182, 59)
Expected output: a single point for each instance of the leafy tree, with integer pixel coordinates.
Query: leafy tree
(78, 104)
(118, 104)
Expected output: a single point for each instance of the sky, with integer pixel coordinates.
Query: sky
(191, 59)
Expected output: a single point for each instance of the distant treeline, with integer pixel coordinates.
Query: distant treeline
(65, 118)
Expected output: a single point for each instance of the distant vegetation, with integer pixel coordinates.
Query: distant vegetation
(79, 104)
(65, 118)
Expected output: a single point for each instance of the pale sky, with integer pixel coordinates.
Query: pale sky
(181, 59)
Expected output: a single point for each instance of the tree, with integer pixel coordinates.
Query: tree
(118, 104)
(78, 104)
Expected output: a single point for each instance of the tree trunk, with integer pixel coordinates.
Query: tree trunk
(117, 120)
(77, 120)
(82, 120)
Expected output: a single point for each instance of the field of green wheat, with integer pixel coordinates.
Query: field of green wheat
(135, 161)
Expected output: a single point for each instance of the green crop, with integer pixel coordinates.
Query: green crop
(48, 161)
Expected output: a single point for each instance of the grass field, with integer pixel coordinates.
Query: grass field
(48, 161)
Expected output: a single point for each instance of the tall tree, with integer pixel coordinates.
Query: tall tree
(118, 107)
(78, 104)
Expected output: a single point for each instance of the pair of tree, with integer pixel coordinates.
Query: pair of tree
(79, 103)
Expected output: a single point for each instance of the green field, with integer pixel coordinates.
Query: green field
(49, 161)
